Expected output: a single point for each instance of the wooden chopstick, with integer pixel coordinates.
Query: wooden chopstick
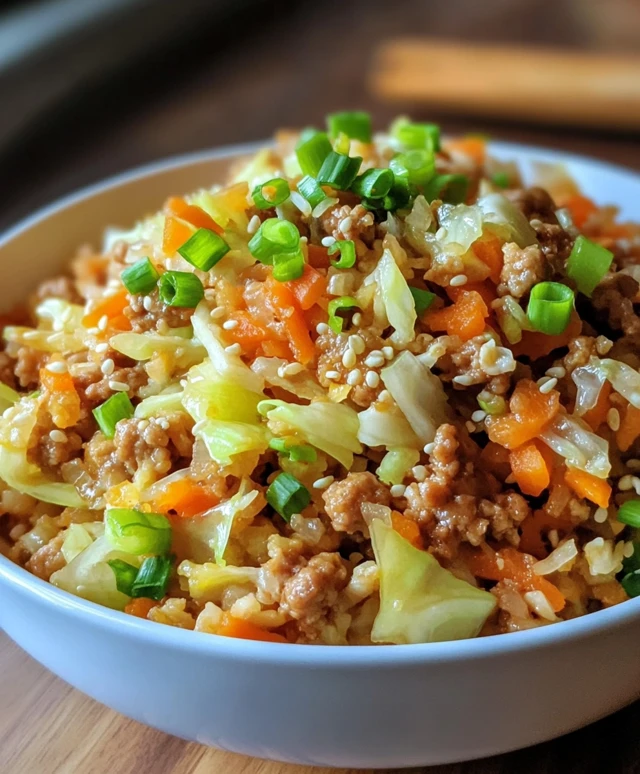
(541, 85)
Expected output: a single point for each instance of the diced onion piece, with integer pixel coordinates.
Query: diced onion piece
(559, 560)
(572, 439)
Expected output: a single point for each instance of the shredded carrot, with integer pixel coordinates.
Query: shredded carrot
(629, 428)
(535, 345)
(529, 468)
(465, 318)
(314, 316)
(244, 630)
(581, 209)
(192, 214)
(64, 402)
(530, 410)
(531, 530)
(473, 146)
(318, 257)
(111, 307)
(489, 251)
(248, 331)
(284, 306)
(407, 528)
(276, 348)
(588, 486)
(176, 233)
(309, 288)
(598, 414)
(140, 607)
(486, 290)
(185, 497)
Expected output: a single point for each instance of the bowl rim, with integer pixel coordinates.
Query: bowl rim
(119, 623)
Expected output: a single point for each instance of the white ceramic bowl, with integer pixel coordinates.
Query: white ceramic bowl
(373, 707)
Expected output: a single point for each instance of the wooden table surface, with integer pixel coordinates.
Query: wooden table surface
(281, 63)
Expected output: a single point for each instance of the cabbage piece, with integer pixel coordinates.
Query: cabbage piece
(420, 601)
(143, 346)
(77, 537)
(225, 364)
(624, 379)
(225, 440)
(395, 298)
(589, 381)
(463, 226)
(207, 535)
(386, 428)
(208, 396)
(44, 340)
(225, 205)
(59, 315)
(7, 397)
(207, 582)
(148, 231)
(331, 427)
(396, 464)
(90, 577)
(554, 178)
(159, 405)
(511, 222)
(572, 439)
(418, 393)
(418, 223)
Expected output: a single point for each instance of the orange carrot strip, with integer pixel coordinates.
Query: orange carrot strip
(489, 251)
(111, 307)
(186, 497)
(529, 469)
(55, 382)
(176, 232)
(531, 530)
(629, 428)
(309, 288)
(285, 307)
(192, 214)
(244, 630)
(407, 528)
(530, 412)
(486, 290)
(588, 486)
(472, 146)
(598, 414)
(64, 402)
(276, 348)
(581, 208)
(465, 318)
(140, 607)
(248, 332)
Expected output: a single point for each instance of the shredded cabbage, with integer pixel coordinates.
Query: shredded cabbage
(303, 385)
(418, 393)
(143, 346)
(77, 537)
(624, 379)
(589, 381)
(207, 582)
(500, 212)
(572, 439)
(395, 299)
(331, 427)
(225, 440)
(208, 396)
(463, 225)
(164, 403)
(148, 231)
(420, 601)
(7, 397)
(386, 428)
(59, 328)
(396, 464)
(418, 223)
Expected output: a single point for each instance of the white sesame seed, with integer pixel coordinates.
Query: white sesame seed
(142, 425)
(332, 375)
(548, 385)
(356, 343)
(345, 225)
(388, 353)
(233, 349)
(458, 280)
(163, 423)
(496, 303)
(601, 515)
(354, 377)
(385, 395)
(479, 415)
(253, 225)
(557, 371)
(328, 241)
(349, 358)
(108, 367)
(464, 379)
(499, 562)
(470, 427)
(91, 331)
(162, 327)
(103, 322)
(441, 233)
(325, 204)
(101, 348)
(636, 484)
(117, 386)
(147, 302)
(374, 360)
(300, 202)
(179, 351)
(57, 367)
(291, 369)
(554, 538)
(510, 479)
(428, 448)
(210, 294)
(628, 550)
(633, 464)
(626, 483)
(229, 325)
(323, 483)
(419, 472)
(398, 490)
(357, 318)
(613, 419)
(57, 436)
(321, 328)
(372, 379)
(217, 312)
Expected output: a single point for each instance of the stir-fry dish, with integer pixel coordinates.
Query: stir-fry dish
(372, 390)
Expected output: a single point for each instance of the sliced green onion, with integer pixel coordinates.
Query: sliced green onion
(311, 151)
(587, 264)
(629, 513)
(550, 307)
(632, 563)
(288, 266)
(125, 575)
(286, 495)
(273, 237)
(141, 277)
(336, 320)
(137, 533)
(355, 124)
(271, 194)
(414, 135)
(109, 413)
(339, 171)
(347, 250)
(153, 578)
(295, 452)
(204, 249)
(416, 167)
(450, 188)
(311, 190)
(399, 197)
(180, 288)
(342, 144)
(373, 184)
(501, 179)
(494, 406)
(422, 299)
(631, 584)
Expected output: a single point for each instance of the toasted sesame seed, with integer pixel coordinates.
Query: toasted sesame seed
(103, 322)
(91, 331)
(458, 280)
(372, 379)
(548, 385)
(354, 377)
(332, 374)
(229, 325)
(374, 360)
(233, 349)
(626, 483)
(217, 312)
(603, 345)
(419, 472)
(321, 328)
(57, 367)
(398, 490)
(117, 386)
(557, 371)
(147, 302)
(633, 464)
(108, 367)
(57, 436)
(428, 448)
(601, 515)
(613, 419)
(553, 536)
(470, 426)
(510, 479)
(349, 358)
(328, 241)
(163, 423)
(291, 369)
(101, 348)
(345, 225)
(628, 550)
(142, 425)
(463, 379)
(253, 225)
(357, 318)
(388, 353)
(499, 562)
(323, 483)
(356, 343)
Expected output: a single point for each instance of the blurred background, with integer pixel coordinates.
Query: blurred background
(89, 88)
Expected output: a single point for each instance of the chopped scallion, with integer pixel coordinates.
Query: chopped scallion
(415, 167)
(501, 179)
(338, 305)
(286, 495)
(204, 249)
(339, 171)
(347, 250)
(137, 533)
(274, 236)
(422, 299)
(373, 184)
(355, 124)
(125, 575)
(550, 307)
(451, 189)
(632, 563)
(311, 151)
(141, 277)
(631, 584)
(295, 452)
(415, 135)
(288, 266)
(629, 513)
(153, 578)
(587, 264)
(180, 288)
(109, 413)
(271, 194)
(311, 190)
